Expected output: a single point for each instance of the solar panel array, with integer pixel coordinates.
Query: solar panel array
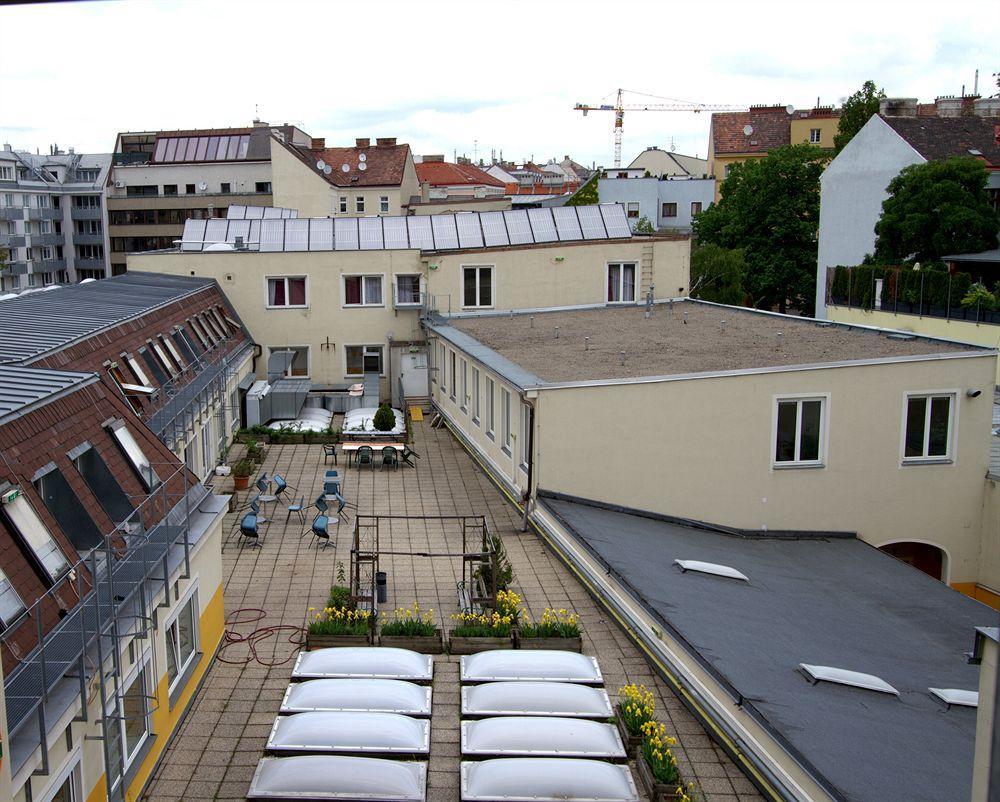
(269, 232)
(201, 148)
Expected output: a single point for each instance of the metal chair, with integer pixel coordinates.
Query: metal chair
(330, 451)
(390, 457)
(280, 486)
(264, 494)
(249, 530)
(407, 453)
(297, 509)
(365, 456)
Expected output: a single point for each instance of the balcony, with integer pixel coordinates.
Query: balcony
(88, 239)
(45, 214)
(406, 298)
(49, 239)
(47, 265)
(17, 268)
(12, 213)
(11, 241)
(86, 213)
(90, 264)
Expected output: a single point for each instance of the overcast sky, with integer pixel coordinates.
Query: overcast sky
(446, 76)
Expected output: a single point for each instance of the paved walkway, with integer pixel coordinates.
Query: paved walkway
(217, 748)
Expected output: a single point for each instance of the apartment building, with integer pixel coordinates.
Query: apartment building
(111, 567)
(53, 220)
(159, 179)
(661, 163)
(668, 204)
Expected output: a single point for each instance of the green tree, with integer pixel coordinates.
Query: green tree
(717, 274)
(769, 208)
(856, 111)
(643, 226)
(587, 194)
(933, 209)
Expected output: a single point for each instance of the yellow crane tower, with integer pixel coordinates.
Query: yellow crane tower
(619, 108)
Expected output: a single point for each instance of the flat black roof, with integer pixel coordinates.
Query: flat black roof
(833, 601)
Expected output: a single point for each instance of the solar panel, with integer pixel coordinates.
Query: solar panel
(445, 233)
(272, 235)
(470, 235)
(215, 231)
(542, 225)
(518, 227)
(238, 228)
(199, 155)
(542, 665)
(546, 780)
(345, 234)
(494, 230)
(296, 235)
(394, 232)
(564, 699)
(320, 233)
(161, 147)
(338, 777)
(235, 212)
(420, 232)
(361, 662)
(566, 223)
(533, 736)
(360, 695)
(193, 236)
(367, 733)
(254, 235)
(370, 233)
(270, 213)
(591, 222)
(615, 220)
(241, 152)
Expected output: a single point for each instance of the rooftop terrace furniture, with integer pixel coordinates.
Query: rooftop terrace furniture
(321, 528)
(249, 529)
(407, 453)
(390, 457)
(297, 508)
(330, 451)
(365, 456)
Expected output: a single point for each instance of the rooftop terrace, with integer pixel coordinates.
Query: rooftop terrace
(680, 338)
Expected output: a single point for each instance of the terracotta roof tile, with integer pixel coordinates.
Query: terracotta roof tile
(771, 129)
(941, 137)
(385, 164)
(449, 174)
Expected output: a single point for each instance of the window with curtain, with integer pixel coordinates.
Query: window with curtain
(286, 291)
(362, 290)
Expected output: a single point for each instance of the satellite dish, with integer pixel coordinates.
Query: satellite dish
(327, 169)
(320, 164)
(203, 186)
(345, 168)
(790, 108)
(362, 158)
(362, 166)
(748, 129)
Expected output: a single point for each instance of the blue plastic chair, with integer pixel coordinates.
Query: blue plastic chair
(249, 531)
(321, 529)
(280, 485)
(297, 509)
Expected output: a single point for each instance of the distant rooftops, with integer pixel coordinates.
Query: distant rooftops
(246, 143)
(364, 165)
(942, 137)
(438, 172)
(760, 129)
(679, 339)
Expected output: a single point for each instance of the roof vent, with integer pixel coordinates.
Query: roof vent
(900, 337)
(711, 568)
(842, 676)
(956, 696)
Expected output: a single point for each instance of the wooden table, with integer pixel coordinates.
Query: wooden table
(351, 447)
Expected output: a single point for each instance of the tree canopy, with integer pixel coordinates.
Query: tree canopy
(934, 209)
(769, 208)
(717, 274)
(587, 194)
(856, 111)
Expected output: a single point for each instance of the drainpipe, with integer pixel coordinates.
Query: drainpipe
(526, 498)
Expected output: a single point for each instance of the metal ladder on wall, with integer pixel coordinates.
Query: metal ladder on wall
(646, 268)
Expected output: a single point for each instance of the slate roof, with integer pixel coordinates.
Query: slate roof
(942, 137)
(833, 601)
(385, 164)
(771, 129)
(448, 174)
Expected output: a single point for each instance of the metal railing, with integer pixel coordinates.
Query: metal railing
(404, 298)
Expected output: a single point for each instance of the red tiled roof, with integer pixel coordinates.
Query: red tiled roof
(771, 129)
(941, 137)
(439, 174)
(385, 164)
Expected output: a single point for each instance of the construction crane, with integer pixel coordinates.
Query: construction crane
(619, 108)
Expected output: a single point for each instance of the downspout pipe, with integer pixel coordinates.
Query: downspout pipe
(526, 496)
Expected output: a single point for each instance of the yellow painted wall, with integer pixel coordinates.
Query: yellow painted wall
(800, 130)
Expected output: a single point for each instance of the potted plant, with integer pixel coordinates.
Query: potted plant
(384, 419)
(480, 632)
(241, 474)
(408, 628)
(255, 452)
(558, 629)
(635, 709)
(338, 626)
(657, 768)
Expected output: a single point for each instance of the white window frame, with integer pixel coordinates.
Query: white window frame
(364, 353)
(621, 282)
(453, 364)
(161, 355)
(824, 433)
(948, 458)
(272, 348)
(505, 420)
(37, 537)
(364, 293)
(491, 394)
(144, 663)
(464, 405)
(133, 452)
(285, 279)
(140, 374)
(818, 138)
(383, 204)
(6, 173)
(476, 404)
(525, 439)
(70, 771)
(190, 597)
(443, 370)
(420, 288)
(479, 285)
(9, 594)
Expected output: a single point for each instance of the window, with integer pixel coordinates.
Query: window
(669, 210)
(299, 365)
(6, 173)
(287, 291)
(695, 208)
(444, 369)
(477, 287)
(525, 434)
(130, 713)
(621, 282)
(154, 366)
(44, 227)
(362, 290)
(361, 359)
(189, 189)
(90, 201)
(475, 396)
(490, 407)
(69, 512)
(161, 355)
(170, 189)
(632, 209)
(799, 431)
(505, 418)
(927, 435)
(42, 201)
(465, 387)
(728, 170)
(182, 640)
(814, 136)
(407, 290)
(11, 605)
(454, 378)
(224, 188)
(175, 355)
(343, 204)
(383, 204)
(138, 371)
(262, 186)
(29, 526)
(8, 199)
(102, 483)
(359, 204)
(136, 457)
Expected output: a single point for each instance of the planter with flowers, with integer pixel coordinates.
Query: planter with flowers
(480, 632)
(558, 629)
(635, 709)
(657, 766)
(409, 628)
(338, 626)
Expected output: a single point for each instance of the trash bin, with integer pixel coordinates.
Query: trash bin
(380, 587)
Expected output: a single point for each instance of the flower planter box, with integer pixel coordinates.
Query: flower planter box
(657, 791)
(326, 641)
(566, 644)
(425, 644)
(287, 439)
(459, 644)
(631, 742)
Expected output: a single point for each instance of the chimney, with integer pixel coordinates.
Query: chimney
(319, 143)
(949, 106)
(987, 107)
(386, 142)
(260, 124)
(72, 151)
(898, 107)
(425, 191)
(434, 157)
(362, 142)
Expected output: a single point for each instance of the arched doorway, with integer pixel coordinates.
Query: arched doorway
(929, 559)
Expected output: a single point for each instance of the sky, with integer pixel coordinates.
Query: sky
(470, 78)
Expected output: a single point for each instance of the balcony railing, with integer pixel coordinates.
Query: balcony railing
(88, 239)
(86, 213)
(406, 298)
(11, 241)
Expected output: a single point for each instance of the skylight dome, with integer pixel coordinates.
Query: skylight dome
(956, 696)
(711, 568)
(841, 676)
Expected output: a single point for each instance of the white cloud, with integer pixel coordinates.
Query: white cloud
(443, 76)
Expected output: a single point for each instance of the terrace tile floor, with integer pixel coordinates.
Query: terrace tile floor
(216, 749)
